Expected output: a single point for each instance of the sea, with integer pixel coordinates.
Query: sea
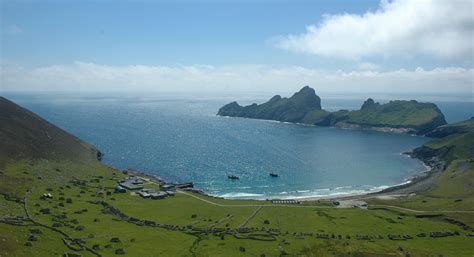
(178, 137)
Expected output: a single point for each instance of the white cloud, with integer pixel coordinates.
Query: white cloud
(82, 76)
(442, 29)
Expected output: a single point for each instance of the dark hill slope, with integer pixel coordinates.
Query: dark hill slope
(450, 129)
(26, 135)
(453, 142)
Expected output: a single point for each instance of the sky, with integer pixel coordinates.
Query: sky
(398, 46)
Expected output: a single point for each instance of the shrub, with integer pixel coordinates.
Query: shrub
(119, 251)
(36, 231)
(45, 211)
(115, 240)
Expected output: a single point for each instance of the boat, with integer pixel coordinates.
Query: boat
(232, 177)
(274, 175)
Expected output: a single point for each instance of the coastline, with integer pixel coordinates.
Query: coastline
(413, 185)
(421, 181)
(343, 126)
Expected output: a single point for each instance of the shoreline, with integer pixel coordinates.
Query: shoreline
(413, 185)
(343, 126)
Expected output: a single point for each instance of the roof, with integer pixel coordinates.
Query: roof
(144, 194)
(167, 186)
(159, 194)
(130, 186)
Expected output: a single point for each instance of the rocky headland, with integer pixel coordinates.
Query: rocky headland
(411, 117)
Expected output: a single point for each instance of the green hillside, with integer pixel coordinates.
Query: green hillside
(85, 216)
(453, 188)
(422, 117)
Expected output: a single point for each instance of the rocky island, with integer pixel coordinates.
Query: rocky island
(400, 116)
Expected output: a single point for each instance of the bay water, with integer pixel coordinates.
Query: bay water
(180, 138)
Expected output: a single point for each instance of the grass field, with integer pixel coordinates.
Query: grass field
(274, 230)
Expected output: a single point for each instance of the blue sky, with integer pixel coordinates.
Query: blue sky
(75, 37)
(166, 32)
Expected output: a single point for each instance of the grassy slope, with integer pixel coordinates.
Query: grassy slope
(56, 175)
(396, 113)
(454, 189)
(178, 210)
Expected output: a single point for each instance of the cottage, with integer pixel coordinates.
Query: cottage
(144, 194)
(131, 186)
(168, 187)
(135, 180)
(170, 193)
(158, 195)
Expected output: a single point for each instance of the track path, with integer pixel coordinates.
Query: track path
(322, 207)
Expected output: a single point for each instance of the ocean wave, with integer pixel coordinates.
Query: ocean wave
(314, 193)
(244, 187)
(241, 195)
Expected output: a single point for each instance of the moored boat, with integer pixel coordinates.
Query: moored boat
(232, 177)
